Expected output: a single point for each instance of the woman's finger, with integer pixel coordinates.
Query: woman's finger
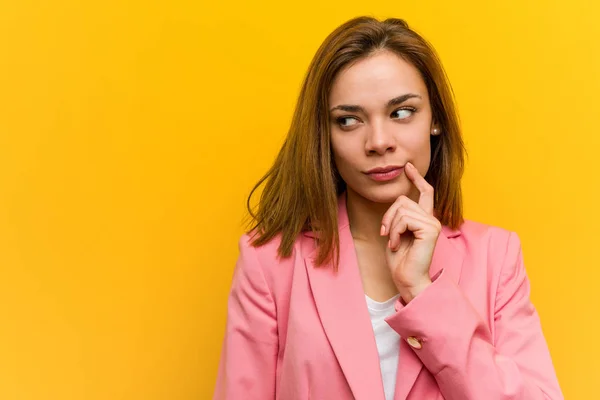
(427, 192)
(408, 220)
(401, 202)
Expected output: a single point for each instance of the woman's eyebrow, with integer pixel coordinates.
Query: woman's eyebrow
(392, 102)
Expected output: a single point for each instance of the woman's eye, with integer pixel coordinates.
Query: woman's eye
(342, 119)
(404, 112)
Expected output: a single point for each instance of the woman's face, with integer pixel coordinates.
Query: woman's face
(380, 117)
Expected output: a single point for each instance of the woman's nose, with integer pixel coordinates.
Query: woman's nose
(380, 139)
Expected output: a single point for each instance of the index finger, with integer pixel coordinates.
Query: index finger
(426, 190)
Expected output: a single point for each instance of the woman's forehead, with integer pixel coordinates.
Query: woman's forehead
(377, 78)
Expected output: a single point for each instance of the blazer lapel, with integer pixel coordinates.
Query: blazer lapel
(341, 304)
(448, 257)
(342, 308)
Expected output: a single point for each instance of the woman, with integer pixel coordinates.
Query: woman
(360, 279)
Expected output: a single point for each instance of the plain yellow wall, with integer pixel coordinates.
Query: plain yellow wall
(131, 133)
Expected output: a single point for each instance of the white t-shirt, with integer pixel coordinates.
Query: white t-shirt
(388, 342)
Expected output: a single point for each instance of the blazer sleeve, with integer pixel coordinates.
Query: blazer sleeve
(249, 351)
(458, 348)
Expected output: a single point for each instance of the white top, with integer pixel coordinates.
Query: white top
(388, 342)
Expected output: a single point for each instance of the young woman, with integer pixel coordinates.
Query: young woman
(359, 278)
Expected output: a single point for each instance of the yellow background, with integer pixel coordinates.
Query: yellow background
(131, 133)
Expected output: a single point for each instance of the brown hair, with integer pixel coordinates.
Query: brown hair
(303, 184)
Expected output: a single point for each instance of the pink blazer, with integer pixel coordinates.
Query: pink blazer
(296, 332)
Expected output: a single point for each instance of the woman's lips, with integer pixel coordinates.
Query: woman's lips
(386, 176)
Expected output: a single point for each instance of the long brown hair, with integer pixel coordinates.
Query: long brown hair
(303, 185)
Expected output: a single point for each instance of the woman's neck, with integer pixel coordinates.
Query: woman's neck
(365, 218)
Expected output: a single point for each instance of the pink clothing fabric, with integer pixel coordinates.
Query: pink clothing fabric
(296, 332)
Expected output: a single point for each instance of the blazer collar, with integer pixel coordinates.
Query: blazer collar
(342, 308)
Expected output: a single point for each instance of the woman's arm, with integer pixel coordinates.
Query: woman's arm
(249, 353)
(457, 346)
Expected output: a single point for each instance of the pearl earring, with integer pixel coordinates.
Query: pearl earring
(435, 131)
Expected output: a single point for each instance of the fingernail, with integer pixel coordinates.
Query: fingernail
(382, 231)
(410, 165)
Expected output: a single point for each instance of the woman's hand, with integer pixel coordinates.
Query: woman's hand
(413, 231)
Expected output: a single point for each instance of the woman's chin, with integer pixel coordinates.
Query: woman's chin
(387, 193)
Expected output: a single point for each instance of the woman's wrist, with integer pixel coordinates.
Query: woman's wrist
(408, 293)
